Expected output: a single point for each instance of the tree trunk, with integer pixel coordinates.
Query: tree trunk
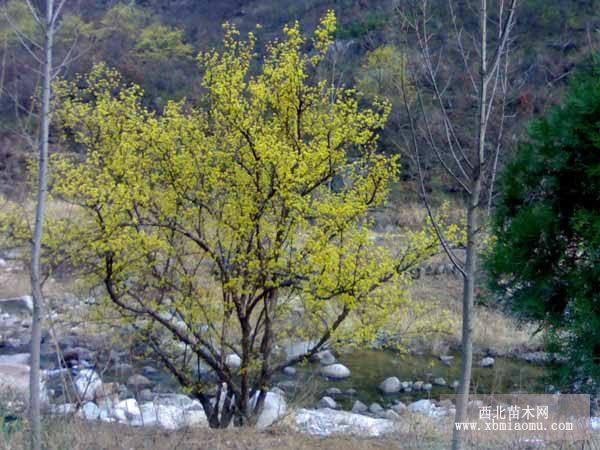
(36, 288)
(470, 276)
(462, 400)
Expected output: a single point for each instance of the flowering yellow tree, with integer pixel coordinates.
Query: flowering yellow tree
(226, 228)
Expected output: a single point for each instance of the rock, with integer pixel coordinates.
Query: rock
(233, 361)
(399, 407)
(406, 385)
(455, 384)
(440, 382)
(324, 357)
(18, 305)
(89, 411)
(417, 385)
(169, 417)
(289, 371)
(17, 358)
(427, 387)
(325, 422)
(390, 415)
(333, 392)
(274, 409)
(107, 392)
(359, 407)
(447, 360)
(168, 413)
(138, 382)
(145, 395)
(595, 423)
(535, 357)
(87, 382)
(487, 362)
(123, 369)
(375, 408)
(427, 408)
(150, 371)
(125, 411)
(335, 371)
(390, 385)
(351, 392)
(327, 402)
(62, 410)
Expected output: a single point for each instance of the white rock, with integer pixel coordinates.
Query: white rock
(439, 382)
(89, 411)
(233, 361)
(325, 357)
(125, 411)
(327, 402)
(427, 408)
(487, 362)
(375, 408)
(335, 371)
(14, 380)
(595, 423)
(390, 414)
(325, 422)
(18, 305)
(359, 407)
(17, 358)
(86, 383)
(390, 385)
(289, 371)
(62, 410)
(274, 409)
(169, 417)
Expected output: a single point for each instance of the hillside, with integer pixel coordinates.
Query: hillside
(551, 38)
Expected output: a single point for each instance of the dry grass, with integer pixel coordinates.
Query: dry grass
(494, 330)
(78, 435)
(420, 434)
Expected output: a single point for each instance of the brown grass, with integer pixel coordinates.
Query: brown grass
(79, 435)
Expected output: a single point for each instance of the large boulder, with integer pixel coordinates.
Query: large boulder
(169, 417)
(325, 422)
(14, 381)
(335, 371)
(391, 385)
(171, 413)
(87, 382)
(274, 409)
(18, 305)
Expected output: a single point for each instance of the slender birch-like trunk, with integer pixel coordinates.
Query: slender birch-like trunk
(36, 281)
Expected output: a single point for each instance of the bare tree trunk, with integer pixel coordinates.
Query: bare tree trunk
(36, 287)
(469, 279)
